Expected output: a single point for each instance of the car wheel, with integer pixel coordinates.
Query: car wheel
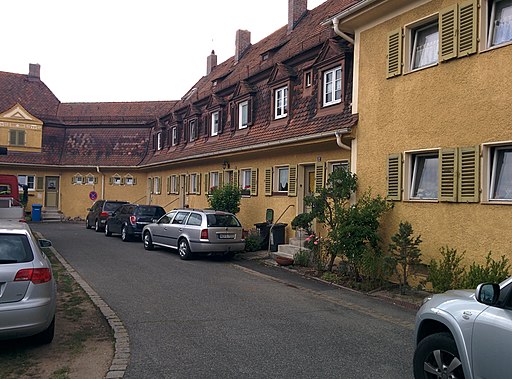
(124, 234)
(87, 225)
(148, 241)
(97, 227)
(46, 336)
(108, 233)
(436, 356)
(184, 250)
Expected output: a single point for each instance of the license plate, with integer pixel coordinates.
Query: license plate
(226, 236)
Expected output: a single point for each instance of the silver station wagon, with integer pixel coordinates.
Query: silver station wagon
(196, 231)
(28, 293)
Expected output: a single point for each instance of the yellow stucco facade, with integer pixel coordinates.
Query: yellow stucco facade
(454, 104)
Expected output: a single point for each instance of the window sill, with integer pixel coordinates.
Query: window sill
(410, 71)
(421, 200)
(491, 48)
(495, 202)
(330, 109)
(280, 193)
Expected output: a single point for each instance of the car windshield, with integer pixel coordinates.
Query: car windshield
(112, 206)
(14, 248)
(222, 220)
(150, 211)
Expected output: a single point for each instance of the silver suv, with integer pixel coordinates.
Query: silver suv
(465, 334)
(194, 231)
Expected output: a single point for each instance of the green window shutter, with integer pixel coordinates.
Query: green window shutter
(122, 181)
(198, 184)
(110, 180)
(394, 57)
(150, 185)
(448, 169)
(235, 178)
(73, 179)
(12, 137)
(467, 28)
(21, 136)
(96, 180)
(39, 183)
(207, 183)
(159, 186)
(469, 167)
(394, 177)
(268, 182)
(134, 181)
(254, 182)
(292, 180)
(187, 184)
(168, 185)
(221, 178)
(177, 185)
(448, 33)
(319, 176)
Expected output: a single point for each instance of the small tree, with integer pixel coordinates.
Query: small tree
(406, 252)
(226, 198)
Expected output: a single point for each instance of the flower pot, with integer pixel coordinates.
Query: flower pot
(283, 261)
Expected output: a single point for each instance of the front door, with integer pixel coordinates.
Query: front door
(51, 195)
(309, 184)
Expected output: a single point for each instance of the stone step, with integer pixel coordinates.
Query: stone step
(49, 216)
(296, 241)
(288, 250)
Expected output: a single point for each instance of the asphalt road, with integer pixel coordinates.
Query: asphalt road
(235, 319)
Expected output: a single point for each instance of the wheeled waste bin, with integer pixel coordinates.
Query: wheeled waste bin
(36, 212)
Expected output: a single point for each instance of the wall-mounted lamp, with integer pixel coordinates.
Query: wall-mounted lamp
(225, 165)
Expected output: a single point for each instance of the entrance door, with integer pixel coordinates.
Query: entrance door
(51, 194)
(309, 184)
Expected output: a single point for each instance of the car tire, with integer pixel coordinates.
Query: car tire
(108, 233)
(97, 227)
(125, 236)
(46, 336)
(87, 225)
(435, 355)
(184, 249)
(148, 241)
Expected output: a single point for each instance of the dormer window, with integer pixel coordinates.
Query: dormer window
(265, 56)
(332, 86)
(17, 137)
(243, 114)
(174, 136)
(281, 102)
(307, 79)
(192, 127)
(215, 123)
(159, 141)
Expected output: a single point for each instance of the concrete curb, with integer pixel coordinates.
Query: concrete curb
(122, 340)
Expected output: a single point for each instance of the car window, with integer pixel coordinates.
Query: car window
(14, 248)
(195, 219)
(219, 220)
(150, 211)
(180, 218)
(112, 206)
(167, 218)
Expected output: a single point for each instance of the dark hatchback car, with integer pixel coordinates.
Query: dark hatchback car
(100, 212)
(129, 220)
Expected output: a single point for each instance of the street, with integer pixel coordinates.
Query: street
(235, 319)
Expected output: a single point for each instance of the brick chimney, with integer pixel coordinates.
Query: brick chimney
(242, 43)
(211, 62)
(34, 70)
(296, 10)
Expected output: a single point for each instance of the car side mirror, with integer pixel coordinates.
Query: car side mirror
(487, 293)
(45, 243)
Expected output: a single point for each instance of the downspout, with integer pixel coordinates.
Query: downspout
(336, 27)
(339, 135)
(102, 182)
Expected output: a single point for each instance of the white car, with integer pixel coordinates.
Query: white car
(465, 334)
(28, 292)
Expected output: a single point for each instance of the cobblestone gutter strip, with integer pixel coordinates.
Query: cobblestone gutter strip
(122, 341)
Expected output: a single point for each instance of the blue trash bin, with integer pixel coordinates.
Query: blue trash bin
(36, 212)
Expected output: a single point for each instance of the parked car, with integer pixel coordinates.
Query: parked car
(129, 220)
(196, 231)
(28, 293)
(99, 213)
(465, 334)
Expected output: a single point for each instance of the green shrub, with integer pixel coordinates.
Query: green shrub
(446, 273)
(253, 241)
(376, 266)
(302, 258)
(493, 271)
(226, 198)
(405, 252)
(303, 221)
(330, 277)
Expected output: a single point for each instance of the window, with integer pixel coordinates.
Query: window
(243, 113)
(116, 180)
(194, 183)
(307, 79)
(157, 185)
(425, 45)
(344, 165)
(129, 181)
(192, 130)
(159, 141)
(89, 180)
(173, 184)
(174, 137)
(195, 219)
(332, 86)
(282, 179)
(28, 180)
(500, 22)
(500, 161)
(423, 178)
(281, 102)
(214, 180)
(246, 179)
(17, 137)
(215, 123)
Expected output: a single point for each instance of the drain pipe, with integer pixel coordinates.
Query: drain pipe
(102, 182)
(336, 27)
(339, 134)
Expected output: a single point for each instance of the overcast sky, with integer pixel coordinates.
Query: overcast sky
(127, 50)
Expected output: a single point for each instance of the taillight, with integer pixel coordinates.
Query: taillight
(204, 234)
(133, 220)
(104, 214)
(35, 275)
